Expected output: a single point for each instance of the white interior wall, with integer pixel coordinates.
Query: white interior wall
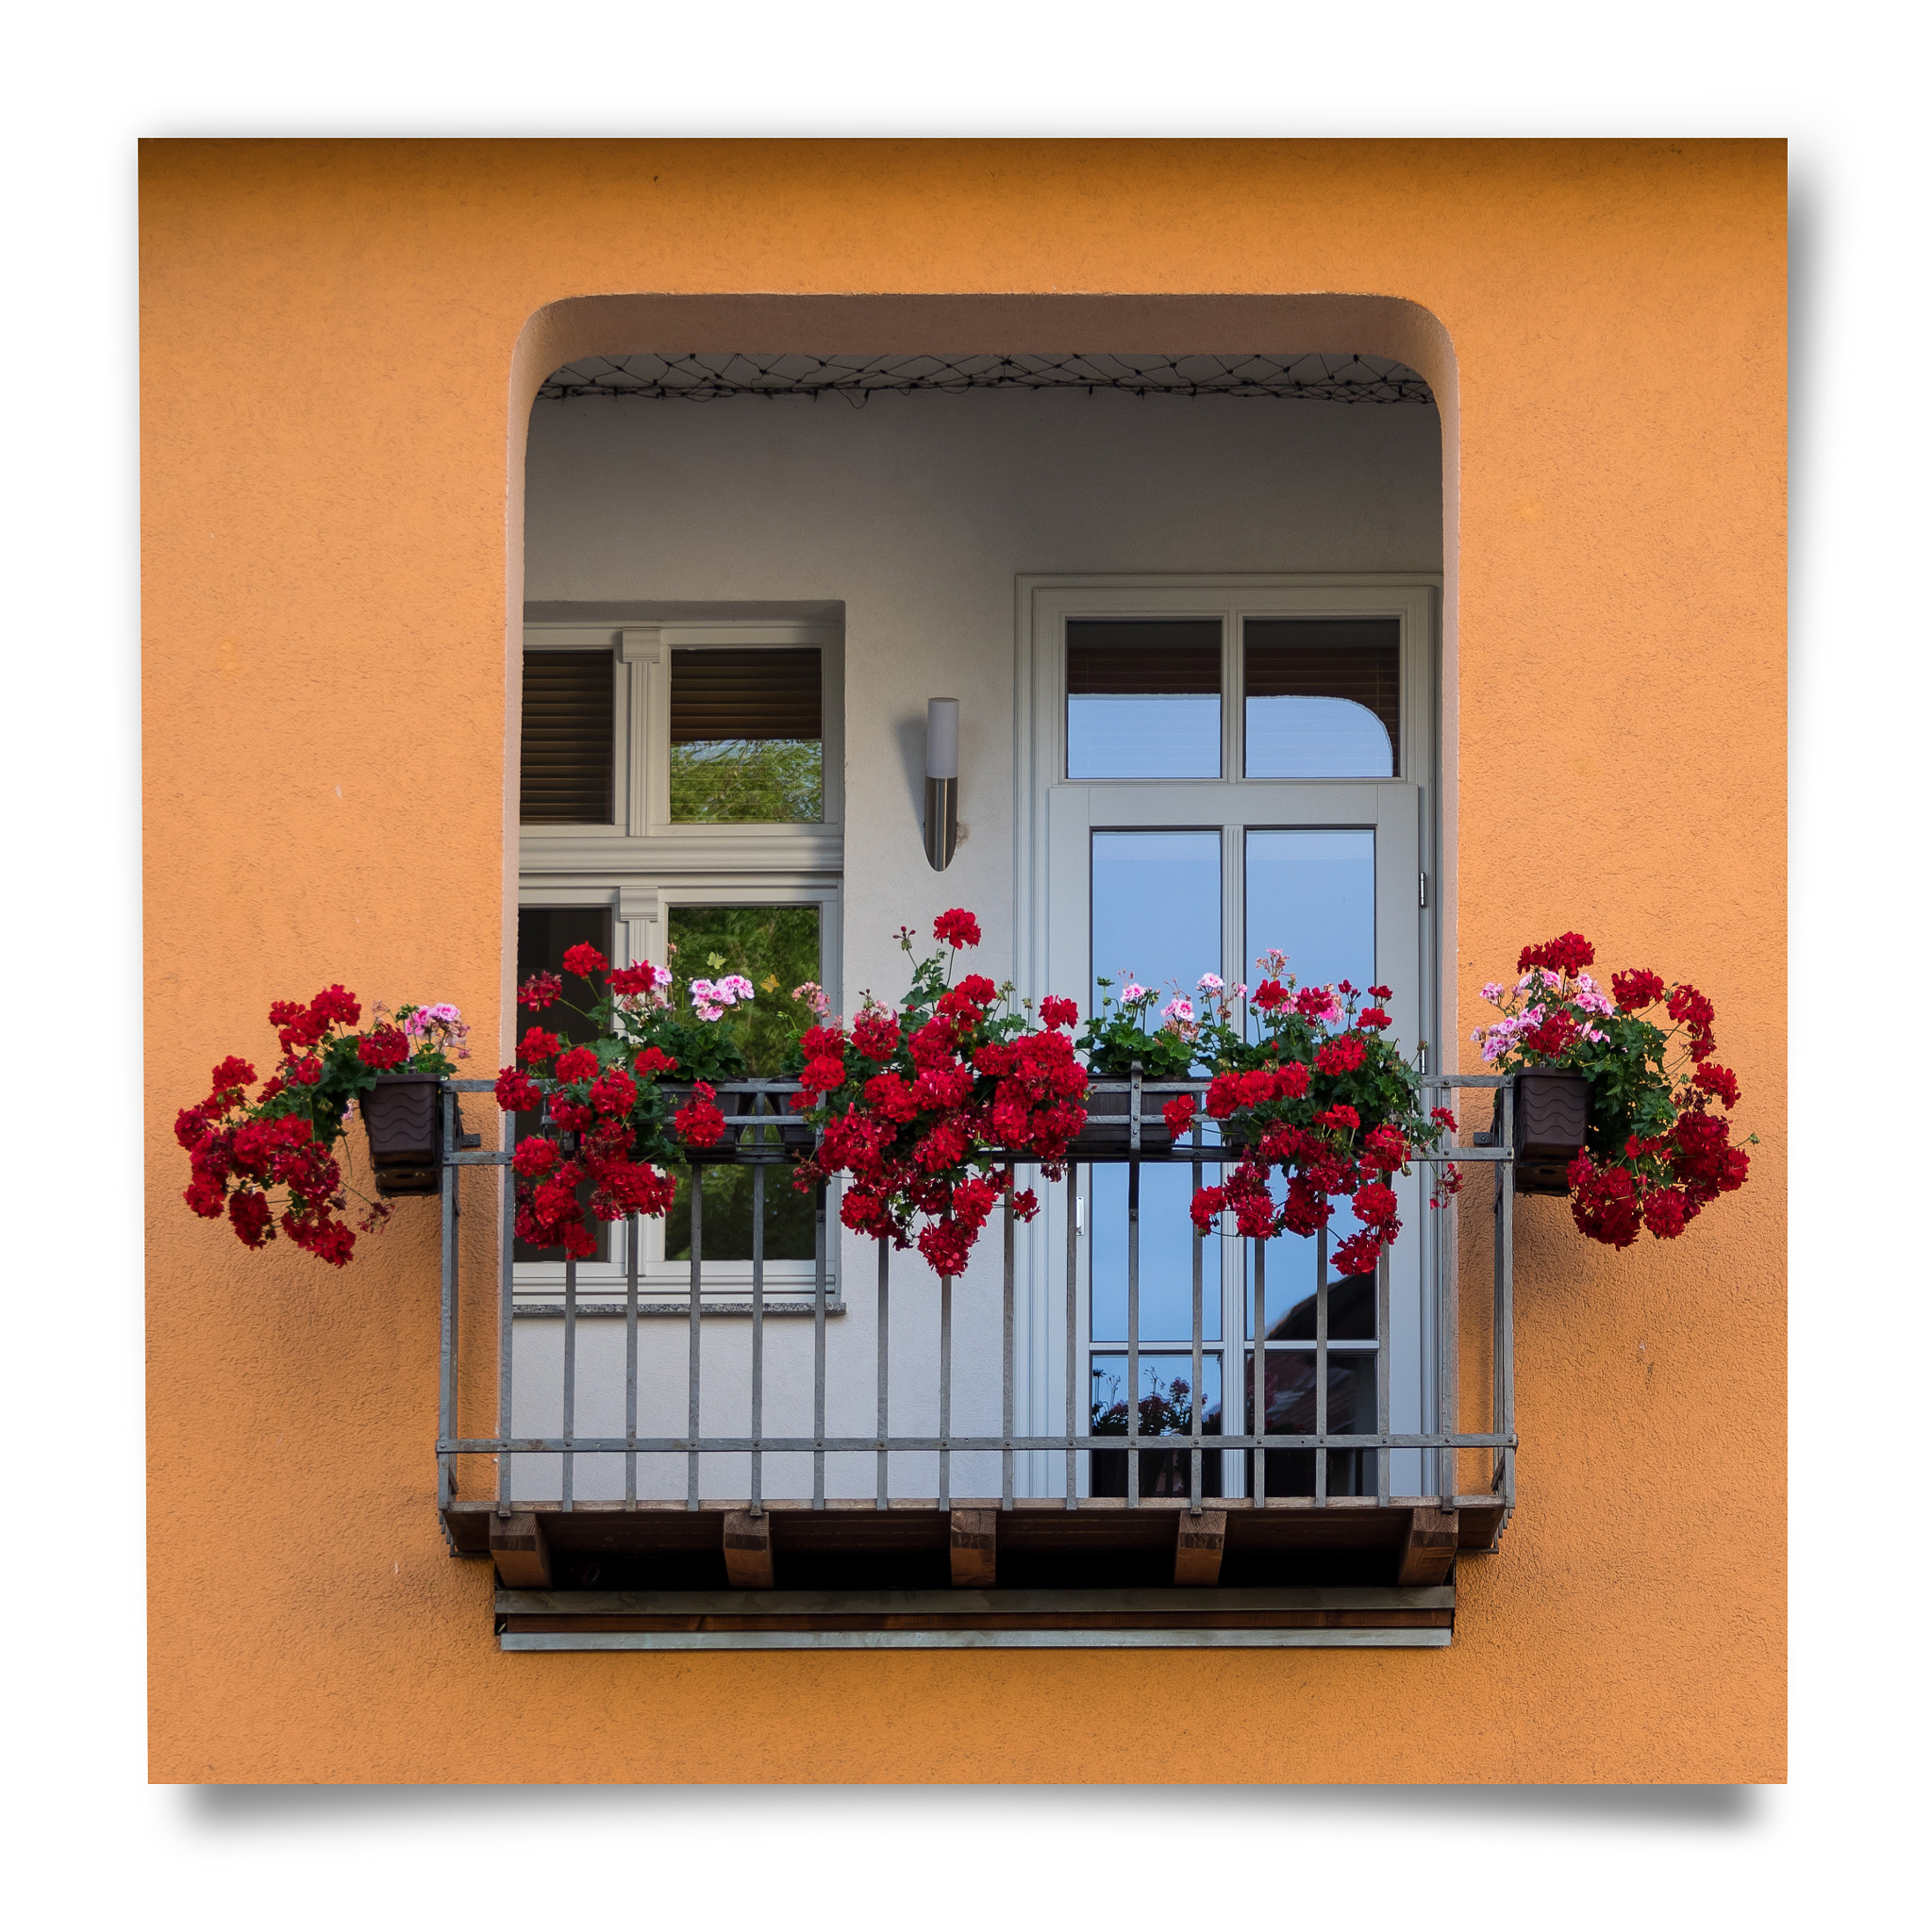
(913, 515)
(916, 513)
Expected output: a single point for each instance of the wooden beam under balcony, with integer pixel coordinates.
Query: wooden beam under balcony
(1038, 1544)
(747, 1542)
(975, 1548)
(1431, 1547)
(1199, 1544)
(521, 1550)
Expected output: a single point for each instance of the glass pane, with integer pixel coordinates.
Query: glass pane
(747, 736)
(1321, 696)
(1167, 1409)
(568, 734)
(790, 1229)
(544, 934)
(1157, 908)
(776, 947)
(1167, 1248)
(1144, 699)
(1313, 893)
(1291, 1283)
(1290, 1394)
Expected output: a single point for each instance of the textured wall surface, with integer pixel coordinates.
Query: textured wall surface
(340, 343)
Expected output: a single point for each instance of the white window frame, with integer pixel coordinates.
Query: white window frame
(641, 865)
(1044, 604)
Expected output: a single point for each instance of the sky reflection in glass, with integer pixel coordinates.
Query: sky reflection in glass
(1156, 908)
(1313, 893)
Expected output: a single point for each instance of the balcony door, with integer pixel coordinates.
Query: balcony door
(1232, 768)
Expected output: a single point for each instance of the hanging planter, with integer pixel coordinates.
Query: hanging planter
(403, 1117)
(268, 1163)
(1621, 1082)
(1552, 1124)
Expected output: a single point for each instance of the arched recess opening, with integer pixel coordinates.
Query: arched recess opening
(988, 539)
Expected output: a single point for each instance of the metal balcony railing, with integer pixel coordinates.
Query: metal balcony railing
(1057, 1450)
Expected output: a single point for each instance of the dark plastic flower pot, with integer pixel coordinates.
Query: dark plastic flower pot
(404, 1118)
(1108, 1119)
(1552, 1122)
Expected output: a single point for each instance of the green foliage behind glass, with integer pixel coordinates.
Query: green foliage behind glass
(790, 1230)
(748, 781)
(776, 947)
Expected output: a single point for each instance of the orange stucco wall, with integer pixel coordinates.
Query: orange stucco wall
(339, 343)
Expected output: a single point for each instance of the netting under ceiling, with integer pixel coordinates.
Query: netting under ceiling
(708, 378)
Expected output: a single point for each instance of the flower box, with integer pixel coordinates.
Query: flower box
(1552, 1121)
(1109, 1119)
(404, 1124)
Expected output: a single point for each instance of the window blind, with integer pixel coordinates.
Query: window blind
(569, 726)
(728, 694)
(1143, 655)
(1354, 657)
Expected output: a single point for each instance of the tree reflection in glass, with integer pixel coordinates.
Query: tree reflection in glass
(1166, 1408)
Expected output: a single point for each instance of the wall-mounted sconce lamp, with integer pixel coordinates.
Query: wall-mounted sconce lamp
(941, 781)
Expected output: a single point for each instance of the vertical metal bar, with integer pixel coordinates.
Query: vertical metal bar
(506, 1311)
(570, 1379)
(633, 1234)
(1134, 1324)
(1321, 1365)
(1194, 1405)
(1134, 1287)
(697, 1261)
(758, 1338)
(945, 1392)
(1382, 1457)
(818, 1347)
(1504, 1343)
(1259, 1419)
(1006, 1358)
(885, 1270)
(1442, 1462)
(1073, 1324)
(446, 1371)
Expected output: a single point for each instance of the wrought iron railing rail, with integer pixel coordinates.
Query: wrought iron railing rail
(757, 1149)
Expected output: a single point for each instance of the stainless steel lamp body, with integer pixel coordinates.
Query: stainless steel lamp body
(942, 822)
(941, 781)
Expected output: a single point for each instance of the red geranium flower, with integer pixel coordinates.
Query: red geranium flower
(699, 1120)
(1718, 1081)
(1055, 1011)
(1340, 1056)
(387, 1047)
(958, 929)
(516, 1092)
(534, 1157)
(635, 979)
(1635, 990)
(579, 1063)
(1569, 953)
(540, 991)
(585, 961)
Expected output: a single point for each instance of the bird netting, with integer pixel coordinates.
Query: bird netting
(708, 378)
